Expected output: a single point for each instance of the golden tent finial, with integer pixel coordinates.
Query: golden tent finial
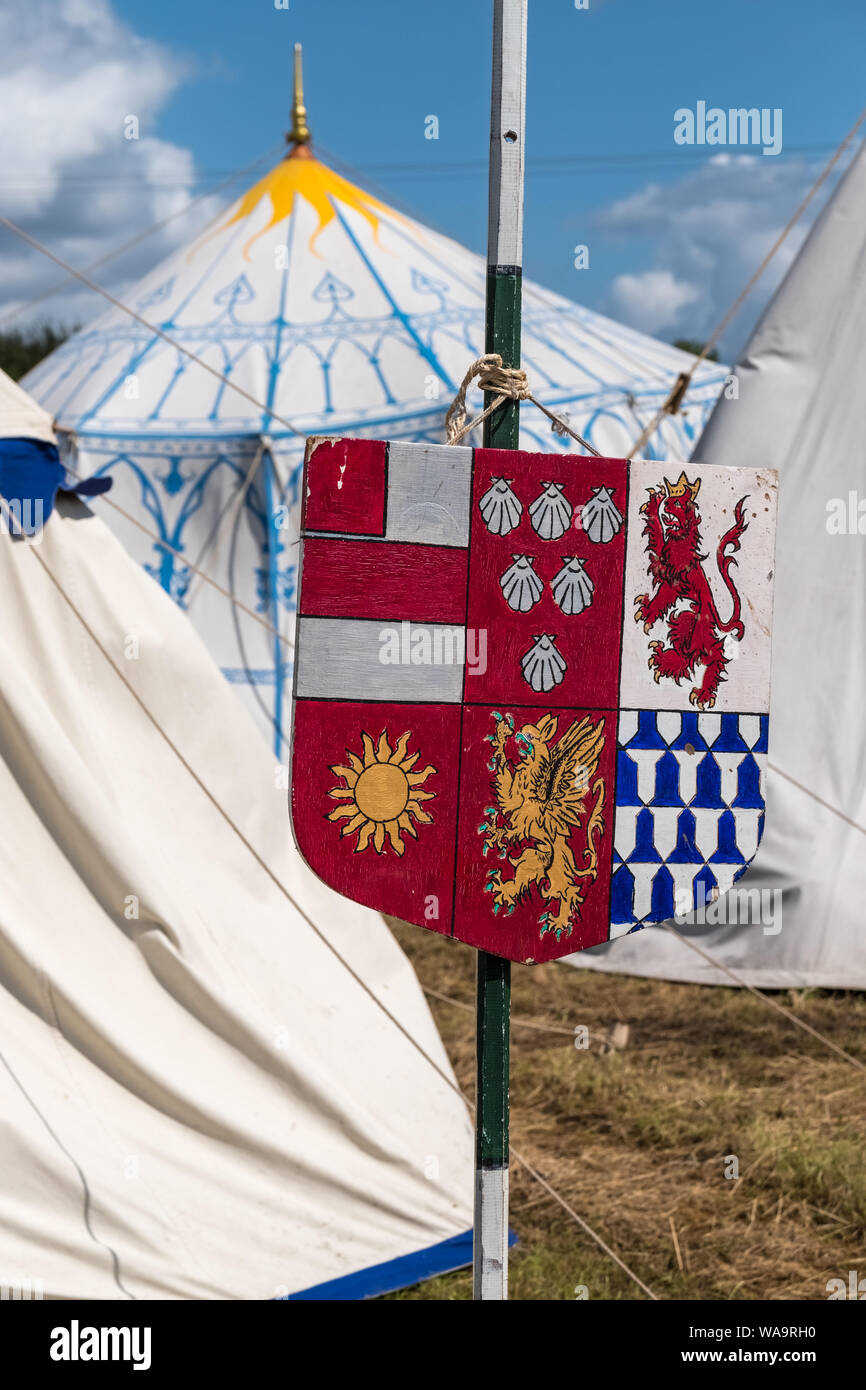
(299, 135)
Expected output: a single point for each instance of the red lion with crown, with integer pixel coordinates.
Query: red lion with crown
(682, 594)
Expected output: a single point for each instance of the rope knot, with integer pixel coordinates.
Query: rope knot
(506, 383)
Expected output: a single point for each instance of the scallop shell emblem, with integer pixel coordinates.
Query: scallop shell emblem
(551, 513)
(520, 585)
(572, 587)
(500, 509)
(543, 665)
(600, 517)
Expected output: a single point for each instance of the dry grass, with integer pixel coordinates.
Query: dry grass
(637, 1140)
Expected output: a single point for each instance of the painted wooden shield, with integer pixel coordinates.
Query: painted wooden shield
(531, 691)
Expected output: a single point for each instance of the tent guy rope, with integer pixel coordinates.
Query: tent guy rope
(711, 960)
(771, 1003)
(151, 327)
(142, 236)
(684, 380)
(233, 505)
(190, 565)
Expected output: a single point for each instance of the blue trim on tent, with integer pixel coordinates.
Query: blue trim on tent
(448, 1255)
(564, 395)
(427, 353)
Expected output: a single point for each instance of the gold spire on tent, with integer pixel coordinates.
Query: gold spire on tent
(299, 137)
(301, 172)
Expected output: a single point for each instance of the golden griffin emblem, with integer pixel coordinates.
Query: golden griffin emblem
(542, 798)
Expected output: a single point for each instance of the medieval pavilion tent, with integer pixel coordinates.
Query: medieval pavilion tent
(212, 1071)
(801, 409)
(338, 315)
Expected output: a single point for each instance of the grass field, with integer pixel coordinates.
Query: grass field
(637, 1140)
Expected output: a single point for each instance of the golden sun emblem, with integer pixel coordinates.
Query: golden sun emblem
(383, 792)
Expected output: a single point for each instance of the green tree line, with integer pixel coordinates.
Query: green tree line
(22, 348)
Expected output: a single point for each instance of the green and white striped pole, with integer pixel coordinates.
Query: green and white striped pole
(501, 431)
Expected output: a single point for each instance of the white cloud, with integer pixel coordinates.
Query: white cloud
(707, 234)
(71, 74)
(652, 300)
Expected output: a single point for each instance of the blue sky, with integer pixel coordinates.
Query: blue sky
(672, 236)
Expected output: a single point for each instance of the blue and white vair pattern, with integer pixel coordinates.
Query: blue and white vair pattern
(689, 810)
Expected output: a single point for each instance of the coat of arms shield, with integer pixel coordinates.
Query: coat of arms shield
(531, 691)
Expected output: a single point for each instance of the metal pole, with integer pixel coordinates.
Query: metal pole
(501, 431)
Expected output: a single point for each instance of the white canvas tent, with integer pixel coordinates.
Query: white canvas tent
(801, 409)
(199, 1098)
